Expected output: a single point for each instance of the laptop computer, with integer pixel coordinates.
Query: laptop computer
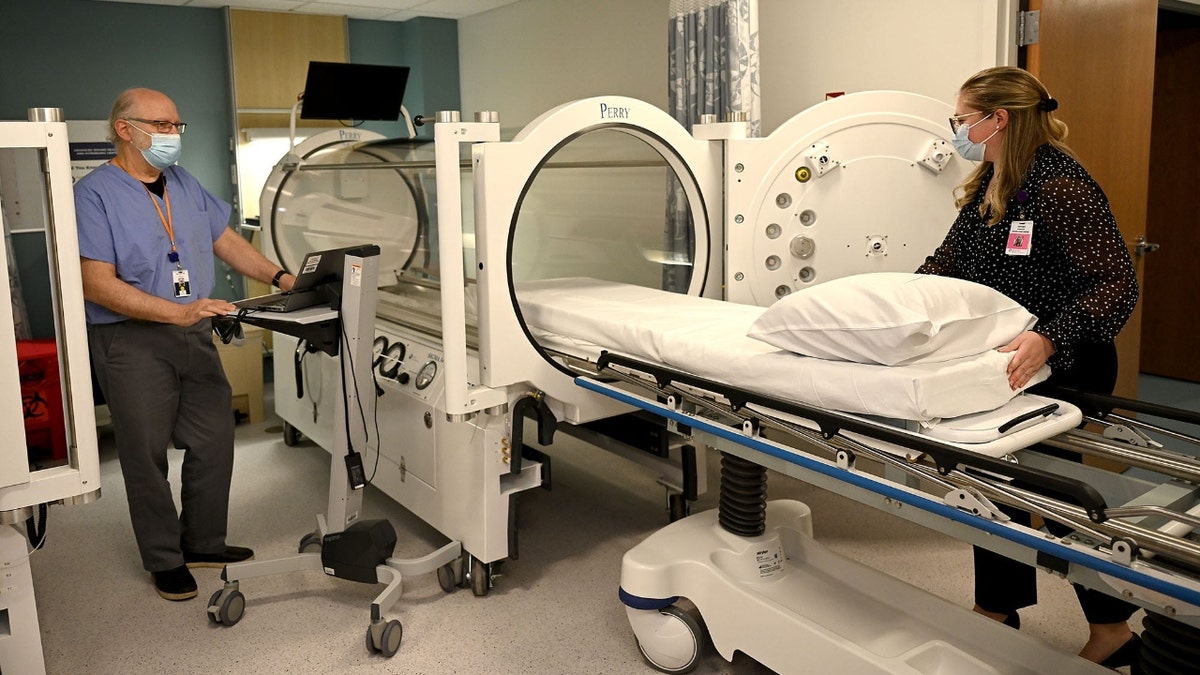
(318, 269)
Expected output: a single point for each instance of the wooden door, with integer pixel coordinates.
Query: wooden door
(1169, 321)
(1097, 58)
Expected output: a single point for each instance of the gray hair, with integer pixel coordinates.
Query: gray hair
(122, 108)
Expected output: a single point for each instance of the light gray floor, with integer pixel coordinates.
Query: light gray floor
(555, 610)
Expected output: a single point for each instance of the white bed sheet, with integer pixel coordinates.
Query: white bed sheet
(707, 338)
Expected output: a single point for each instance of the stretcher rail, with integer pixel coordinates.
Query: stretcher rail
(964, 475)
(1175, 465)
(945, 456)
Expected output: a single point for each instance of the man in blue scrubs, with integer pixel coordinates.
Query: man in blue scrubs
(148, 232)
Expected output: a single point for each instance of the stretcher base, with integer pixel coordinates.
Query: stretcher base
(796, 607)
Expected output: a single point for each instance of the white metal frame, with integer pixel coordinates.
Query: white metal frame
(77, 481)
(81, 476)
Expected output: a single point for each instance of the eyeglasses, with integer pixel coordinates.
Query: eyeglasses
(956, 121)
(161, 126)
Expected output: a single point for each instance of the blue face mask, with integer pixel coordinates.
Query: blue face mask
(968, 148)
(164, 149)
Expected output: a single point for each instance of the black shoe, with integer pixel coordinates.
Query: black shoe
(1013, 620)
(231, 554)
(176, 584)
(1128, 654)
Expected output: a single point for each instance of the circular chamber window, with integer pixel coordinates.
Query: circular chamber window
(606, 204)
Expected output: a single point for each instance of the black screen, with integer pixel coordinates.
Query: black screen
(353, 91)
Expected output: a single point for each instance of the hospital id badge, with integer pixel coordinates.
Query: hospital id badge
(1020, 238)
(183, 286)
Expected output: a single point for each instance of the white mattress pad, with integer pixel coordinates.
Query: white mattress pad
(707, 338)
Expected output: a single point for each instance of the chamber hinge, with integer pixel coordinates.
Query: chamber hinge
(1028, 25)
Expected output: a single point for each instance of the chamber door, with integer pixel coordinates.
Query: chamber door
(360, 189)
(606, 204)
(606, 188)
(860, 183)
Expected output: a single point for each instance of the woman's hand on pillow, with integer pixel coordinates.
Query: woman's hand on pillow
(1032, 350)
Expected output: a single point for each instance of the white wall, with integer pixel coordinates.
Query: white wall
(525, 58)
(808, 48)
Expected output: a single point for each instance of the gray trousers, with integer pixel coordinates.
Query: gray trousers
(165, 384)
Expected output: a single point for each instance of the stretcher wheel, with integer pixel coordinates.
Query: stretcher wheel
(291, 435)
(674, 646)
(388, 640)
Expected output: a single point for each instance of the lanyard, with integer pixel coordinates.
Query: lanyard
(167, 221)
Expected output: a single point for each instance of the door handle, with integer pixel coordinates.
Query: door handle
(1142, 247)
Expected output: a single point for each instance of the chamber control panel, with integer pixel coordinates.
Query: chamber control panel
(426, 375)
(404, 364)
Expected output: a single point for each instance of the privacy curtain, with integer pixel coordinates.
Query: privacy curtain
(713, 60)
(713, 69)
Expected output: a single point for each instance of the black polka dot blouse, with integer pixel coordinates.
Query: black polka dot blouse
(1077, 279)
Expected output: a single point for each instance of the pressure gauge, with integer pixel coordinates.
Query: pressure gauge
(426, 374)
(389, 365)
(381, 343)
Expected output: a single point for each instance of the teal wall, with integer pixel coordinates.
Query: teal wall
(429, 47)
(79, 54)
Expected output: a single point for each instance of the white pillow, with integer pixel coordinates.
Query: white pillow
(892, 318)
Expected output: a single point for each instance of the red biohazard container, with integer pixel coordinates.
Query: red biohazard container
(41, 399)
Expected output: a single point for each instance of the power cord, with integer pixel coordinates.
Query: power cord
(378, 436)
(36, 534)
(354, 464)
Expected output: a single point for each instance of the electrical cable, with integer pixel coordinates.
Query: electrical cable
(36, 534)
(378, 436)
(362, 415)
(344, 355)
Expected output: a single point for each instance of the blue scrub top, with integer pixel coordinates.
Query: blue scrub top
(118, 224)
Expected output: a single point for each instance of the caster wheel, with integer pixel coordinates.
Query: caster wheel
(674, 646)
(213, 609)
(291, 435)
(481, 578)
(393, 633)
(371, 648)
(310, 543)
(447, 579)
(388, 642)
(230, 610)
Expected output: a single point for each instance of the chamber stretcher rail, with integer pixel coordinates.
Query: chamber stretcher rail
(946, 457)
(1159, 563)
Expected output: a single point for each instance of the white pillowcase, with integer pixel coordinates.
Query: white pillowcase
(892, 318)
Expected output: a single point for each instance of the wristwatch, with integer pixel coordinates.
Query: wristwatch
(277, 277)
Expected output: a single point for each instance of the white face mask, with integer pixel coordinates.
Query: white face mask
(968, 148)
(164, 149)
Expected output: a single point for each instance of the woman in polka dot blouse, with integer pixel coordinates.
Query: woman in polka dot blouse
(1034, 225)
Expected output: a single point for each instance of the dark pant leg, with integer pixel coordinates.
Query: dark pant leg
(1004, 585)
(204, 430)
(135, 371)
(1095, 370)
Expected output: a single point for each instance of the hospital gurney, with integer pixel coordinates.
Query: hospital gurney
(764, 587)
